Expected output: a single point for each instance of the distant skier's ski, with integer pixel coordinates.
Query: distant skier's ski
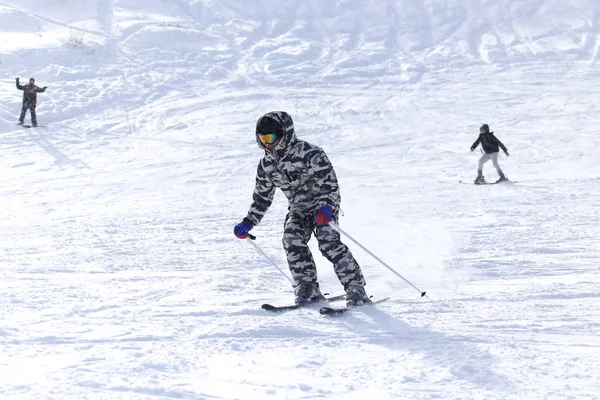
(270, 307)
(31, 126)
(337, 311)
(487, 183)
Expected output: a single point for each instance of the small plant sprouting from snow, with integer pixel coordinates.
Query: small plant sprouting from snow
(77, 39)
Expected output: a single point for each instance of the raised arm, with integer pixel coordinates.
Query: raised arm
(18, 85)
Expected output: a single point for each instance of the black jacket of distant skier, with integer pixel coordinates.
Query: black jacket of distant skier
(30, 92)
(489, 143)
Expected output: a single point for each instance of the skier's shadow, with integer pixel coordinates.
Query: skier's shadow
(458, 355)
(60, 158)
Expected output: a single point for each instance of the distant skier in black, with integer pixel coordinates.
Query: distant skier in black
(30, 92)
(491, 146)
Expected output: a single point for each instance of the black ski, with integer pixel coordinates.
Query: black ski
(337, 311)
(486, 183)
(270, 307)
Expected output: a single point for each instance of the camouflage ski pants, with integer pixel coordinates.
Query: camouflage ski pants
(299, 226)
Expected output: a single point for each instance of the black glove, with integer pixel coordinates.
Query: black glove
(45, 87)
(17, 79)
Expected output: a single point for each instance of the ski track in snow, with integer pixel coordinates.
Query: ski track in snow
(119, 274)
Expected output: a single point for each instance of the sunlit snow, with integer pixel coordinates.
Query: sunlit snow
(120, 276)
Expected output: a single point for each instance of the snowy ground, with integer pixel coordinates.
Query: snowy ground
(120, 277)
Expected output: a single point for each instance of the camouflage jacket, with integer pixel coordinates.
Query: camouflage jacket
(301, 170)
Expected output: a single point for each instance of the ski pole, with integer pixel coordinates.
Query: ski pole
(337, 228)
(252, 238)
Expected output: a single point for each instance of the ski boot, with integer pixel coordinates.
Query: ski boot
(480, 180)
(502, 179)
(307, 292)
(356, 295)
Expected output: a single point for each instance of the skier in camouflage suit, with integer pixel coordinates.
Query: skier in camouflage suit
(306, 177)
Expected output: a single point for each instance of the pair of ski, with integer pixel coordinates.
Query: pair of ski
(489, 183)
(31, 126)
(322, 310)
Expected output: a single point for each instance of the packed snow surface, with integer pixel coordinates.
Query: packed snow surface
(120, 276)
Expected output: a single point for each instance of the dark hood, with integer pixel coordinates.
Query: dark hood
(284, 122)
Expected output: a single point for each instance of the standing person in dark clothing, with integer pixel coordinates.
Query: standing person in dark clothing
(304, 174)
(30, 92)
(491, 146)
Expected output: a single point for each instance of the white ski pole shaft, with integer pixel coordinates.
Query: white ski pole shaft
(337, 227)
(270, 261)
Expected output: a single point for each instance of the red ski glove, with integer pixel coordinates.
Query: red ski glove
(323, 216)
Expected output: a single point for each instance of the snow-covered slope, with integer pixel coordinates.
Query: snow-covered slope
(119, 273)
